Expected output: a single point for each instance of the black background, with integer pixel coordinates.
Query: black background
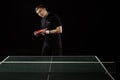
(86, 27)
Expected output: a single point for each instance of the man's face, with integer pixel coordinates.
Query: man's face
(41, 12)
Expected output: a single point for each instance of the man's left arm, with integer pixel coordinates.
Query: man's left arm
(57, 30)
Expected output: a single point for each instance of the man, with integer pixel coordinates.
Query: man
(51, 30)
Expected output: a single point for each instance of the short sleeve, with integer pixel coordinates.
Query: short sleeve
(57, 21)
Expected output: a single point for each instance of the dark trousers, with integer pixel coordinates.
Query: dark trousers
(51, 51)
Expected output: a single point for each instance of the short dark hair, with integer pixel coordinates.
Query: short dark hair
(40, 6)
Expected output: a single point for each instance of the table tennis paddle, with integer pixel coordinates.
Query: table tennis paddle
(37, 32)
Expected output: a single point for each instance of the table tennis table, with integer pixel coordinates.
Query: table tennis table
(53, 68)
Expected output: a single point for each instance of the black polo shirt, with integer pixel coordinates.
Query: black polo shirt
(51, 22)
